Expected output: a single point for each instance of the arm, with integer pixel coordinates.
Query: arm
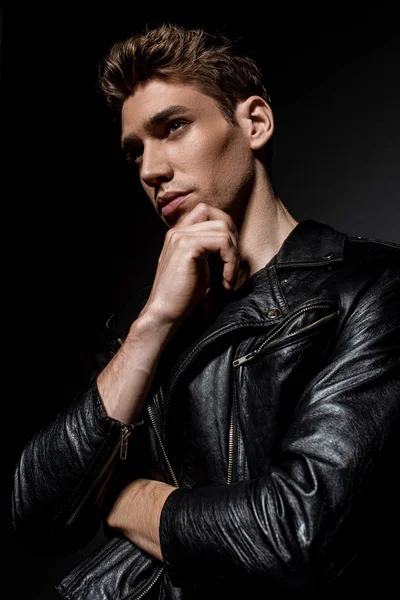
(284, 525)
(62, 471)
(124, 383)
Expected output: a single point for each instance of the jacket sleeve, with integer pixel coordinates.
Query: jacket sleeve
(289, 523)
(66, 474)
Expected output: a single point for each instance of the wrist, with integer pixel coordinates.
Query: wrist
(151, 322)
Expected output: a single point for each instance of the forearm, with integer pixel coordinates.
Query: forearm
(136, 513)
(257, 528)
(62, 470)
(60, 475)
(125, 382)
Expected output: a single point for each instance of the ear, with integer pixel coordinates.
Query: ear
(254, 116)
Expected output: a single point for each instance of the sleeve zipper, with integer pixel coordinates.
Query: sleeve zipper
(122, 446)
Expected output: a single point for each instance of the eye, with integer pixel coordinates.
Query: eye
(175, 125)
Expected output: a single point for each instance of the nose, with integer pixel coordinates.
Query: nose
(155, 165)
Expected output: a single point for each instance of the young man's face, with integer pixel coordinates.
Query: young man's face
(183, 145)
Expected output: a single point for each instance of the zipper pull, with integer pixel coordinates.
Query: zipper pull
(125, 433)
(243, 359)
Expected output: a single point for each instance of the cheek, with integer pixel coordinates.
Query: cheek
(232, 162)
(199, 153)
(206, 147)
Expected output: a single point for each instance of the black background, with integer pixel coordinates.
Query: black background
(78, 233)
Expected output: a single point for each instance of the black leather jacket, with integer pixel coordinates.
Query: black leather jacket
(278, 422)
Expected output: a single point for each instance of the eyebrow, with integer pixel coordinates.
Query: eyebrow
(157, 119)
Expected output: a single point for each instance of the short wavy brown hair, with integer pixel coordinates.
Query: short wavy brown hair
(208, 61)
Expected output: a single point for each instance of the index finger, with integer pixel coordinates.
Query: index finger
(204, 212)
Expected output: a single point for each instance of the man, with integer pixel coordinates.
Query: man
(238, 436)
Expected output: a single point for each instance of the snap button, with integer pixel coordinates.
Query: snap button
(273, 313)
(328, 255)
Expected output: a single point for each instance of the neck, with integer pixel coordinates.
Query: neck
(265, 225)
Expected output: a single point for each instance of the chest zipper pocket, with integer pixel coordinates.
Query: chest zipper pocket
(275, 334)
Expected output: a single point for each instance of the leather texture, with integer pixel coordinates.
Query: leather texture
(280, 421)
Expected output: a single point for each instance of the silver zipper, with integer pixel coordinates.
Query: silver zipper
(236, 363)
(123, 453)
(151, 584)
(122, 446)
(243, 359)
(158, 433)
(216, 335)
(171, 472)
(195, 351)
(230, 448)
(249, 356)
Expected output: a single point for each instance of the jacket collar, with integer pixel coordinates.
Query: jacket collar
(310, 243)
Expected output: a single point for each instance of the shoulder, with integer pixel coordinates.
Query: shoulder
(370, 263)
(364, 273)
(373, 253)
(372, 277)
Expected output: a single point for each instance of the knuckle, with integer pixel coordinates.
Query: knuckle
(221, 225)
(181, 241)
(174, 235)
(224, 227)
(202, 207)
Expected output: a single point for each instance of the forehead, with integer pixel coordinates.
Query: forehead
(154, 96)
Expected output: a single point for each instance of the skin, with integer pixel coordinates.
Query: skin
(196, 150)
(221, 164)
(222, 168)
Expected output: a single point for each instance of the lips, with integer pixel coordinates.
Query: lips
(172, 205)
(168, 202)
(168, 197)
